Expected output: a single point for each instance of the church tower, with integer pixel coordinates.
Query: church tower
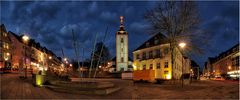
(121, 48)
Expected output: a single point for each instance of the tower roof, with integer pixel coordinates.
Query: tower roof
(121, 29)
(121, 24)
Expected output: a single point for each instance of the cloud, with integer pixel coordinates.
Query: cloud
(139, 28)
(82, 31)
(109, 17)
(50, 22)
(93, 7)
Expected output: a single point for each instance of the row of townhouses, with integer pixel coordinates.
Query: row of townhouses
(22, 52)
(226, 63)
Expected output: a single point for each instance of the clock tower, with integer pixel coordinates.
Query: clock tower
(121, 48)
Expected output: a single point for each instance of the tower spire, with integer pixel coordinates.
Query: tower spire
(121, 20)
(121, 24)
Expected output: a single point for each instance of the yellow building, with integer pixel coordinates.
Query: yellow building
(155, 54)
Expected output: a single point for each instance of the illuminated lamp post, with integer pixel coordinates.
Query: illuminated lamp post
(65, 59)
(25, 40)
(229, 68)
(49, 58)
(65, 65)
(6, 59)
(182, 45)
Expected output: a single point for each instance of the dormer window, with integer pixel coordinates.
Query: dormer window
(5, 34)
(156, 41)
(147, 44)
(150, 54)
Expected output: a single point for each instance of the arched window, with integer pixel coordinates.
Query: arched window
(122, 59)
(121, 40)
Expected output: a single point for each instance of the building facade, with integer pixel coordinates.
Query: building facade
(227, 63)
(155, 54)
(31, 55)
(187, 65)
(195, 70)
(208, 68)
(121, 48)
(111, 66)
(5, 48)
(18, 51)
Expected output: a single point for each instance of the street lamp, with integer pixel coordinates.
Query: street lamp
(229, 67)
(8, 54)
(182, 45)
(65, 59)
(25, 40)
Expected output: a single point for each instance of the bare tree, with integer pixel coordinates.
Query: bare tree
(178, 21)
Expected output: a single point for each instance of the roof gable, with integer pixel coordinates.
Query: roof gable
(3, 28)
(157, 39)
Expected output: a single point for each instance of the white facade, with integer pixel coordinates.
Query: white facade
(121, 48)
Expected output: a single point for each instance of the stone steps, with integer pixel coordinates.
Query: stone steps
(83, 85)
(101, 91)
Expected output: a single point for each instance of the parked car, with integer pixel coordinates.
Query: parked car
(219, 78)
(1, 70)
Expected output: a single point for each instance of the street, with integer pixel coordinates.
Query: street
(12, 87)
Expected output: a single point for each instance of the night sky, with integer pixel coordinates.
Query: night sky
(50, 23)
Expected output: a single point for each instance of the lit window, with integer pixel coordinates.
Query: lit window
(166, 64)
(151, 66)
(7, 46)
(165, 72)
(158, 66)
(5, 34)
(144, 67)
